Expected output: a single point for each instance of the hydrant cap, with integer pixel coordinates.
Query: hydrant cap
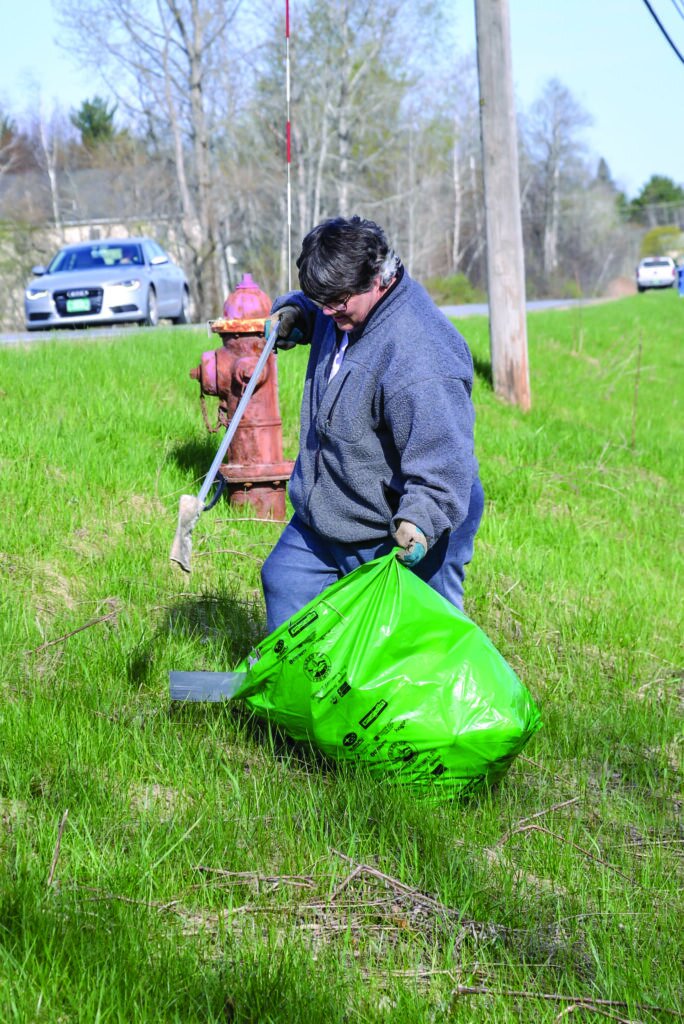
(247, 302)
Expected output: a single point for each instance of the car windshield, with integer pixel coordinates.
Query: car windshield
(93, 257)
(656, 263)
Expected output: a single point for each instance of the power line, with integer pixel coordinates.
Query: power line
(663, 30)
(679, 7)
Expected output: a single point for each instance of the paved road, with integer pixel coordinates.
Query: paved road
(91, 333)
(95, 333)
(482, 309)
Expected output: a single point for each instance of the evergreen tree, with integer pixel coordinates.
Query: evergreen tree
(659, 191)
(95, 122)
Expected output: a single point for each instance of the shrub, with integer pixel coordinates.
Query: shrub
(667, 240)
(453, 290)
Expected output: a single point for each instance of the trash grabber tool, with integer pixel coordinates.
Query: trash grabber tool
(212, 686)
(191, 508)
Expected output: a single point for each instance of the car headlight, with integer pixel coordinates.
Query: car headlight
(131, 285)
(37, 293)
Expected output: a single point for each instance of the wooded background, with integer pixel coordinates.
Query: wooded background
(189, 146)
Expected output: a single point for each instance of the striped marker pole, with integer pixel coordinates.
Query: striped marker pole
(288, 145)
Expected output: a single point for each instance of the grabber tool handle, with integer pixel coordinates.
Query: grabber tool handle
(239, 412)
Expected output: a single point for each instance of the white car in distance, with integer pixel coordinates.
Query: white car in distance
(656, 272)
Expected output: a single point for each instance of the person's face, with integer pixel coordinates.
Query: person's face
(350, 311)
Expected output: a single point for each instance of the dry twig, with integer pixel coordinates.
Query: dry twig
(101, 896)
(253, 519)
(394, 883)
(87, 625)
(421, 902)
(558, 997)
(539, 814)
(58, 844)
(302, 881)
(590, 1008)
(345, 882)
(543, 768)
(562, 839)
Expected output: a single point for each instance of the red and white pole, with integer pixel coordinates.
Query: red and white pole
(288, 145)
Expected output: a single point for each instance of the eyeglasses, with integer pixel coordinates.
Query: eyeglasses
(335, 307)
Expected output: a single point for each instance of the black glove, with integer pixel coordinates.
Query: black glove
(291, 323)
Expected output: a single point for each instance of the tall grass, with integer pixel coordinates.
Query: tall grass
(208, 869)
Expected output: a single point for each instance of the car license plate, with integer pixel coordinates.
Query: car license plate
(78, 305)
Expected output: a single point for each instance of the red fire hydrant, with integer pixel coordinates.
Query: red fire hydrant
(254, 470)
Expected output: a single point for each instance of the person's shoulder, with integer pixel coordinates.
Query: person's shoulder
(422, 318)
(423, 301)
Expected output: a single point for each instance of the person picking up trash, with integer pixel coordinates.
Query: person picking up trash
(386, 452)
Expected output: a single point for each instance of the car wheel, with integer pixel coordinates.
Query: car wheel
(184, 315)
(152, 316)
(640, 288)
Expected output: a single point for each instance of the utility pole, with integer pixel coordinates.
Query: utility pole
(505, 260)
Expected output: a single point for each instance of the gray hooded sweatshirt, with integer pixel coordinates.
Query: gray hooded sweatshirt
(390, 437)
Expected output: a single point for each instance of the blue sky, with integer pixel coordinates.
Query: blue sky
(609, 53)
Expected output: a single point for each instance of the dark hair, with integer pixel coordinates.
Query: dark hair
(343, 257)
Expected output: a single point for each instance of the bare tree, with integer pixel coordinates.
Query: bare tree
(552, 131)
(49, 150)
(162, 61)
(470, 239)
(9, 144)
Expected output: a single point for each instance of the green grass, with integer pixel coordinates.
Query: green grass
(576, 578)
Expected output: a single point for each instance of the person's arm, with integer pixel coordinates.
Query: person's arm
(296, 320)
(432, 426)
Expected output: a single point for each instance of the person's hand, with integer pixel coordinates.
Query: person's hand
(412, 543)
(290, 327)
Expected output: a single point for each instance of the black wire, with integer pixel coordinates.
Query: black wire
(663, 30)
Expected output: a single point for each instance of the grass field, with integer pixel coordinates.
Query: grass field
(184, 864)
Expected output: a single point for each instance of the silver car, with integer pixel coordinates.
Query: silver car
(112, 280)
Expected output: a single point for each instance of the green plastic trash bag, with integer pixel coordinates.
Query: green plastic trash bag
(381, 670)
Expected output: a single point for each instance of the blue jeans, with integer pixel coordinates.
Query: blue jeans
(303, 564)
